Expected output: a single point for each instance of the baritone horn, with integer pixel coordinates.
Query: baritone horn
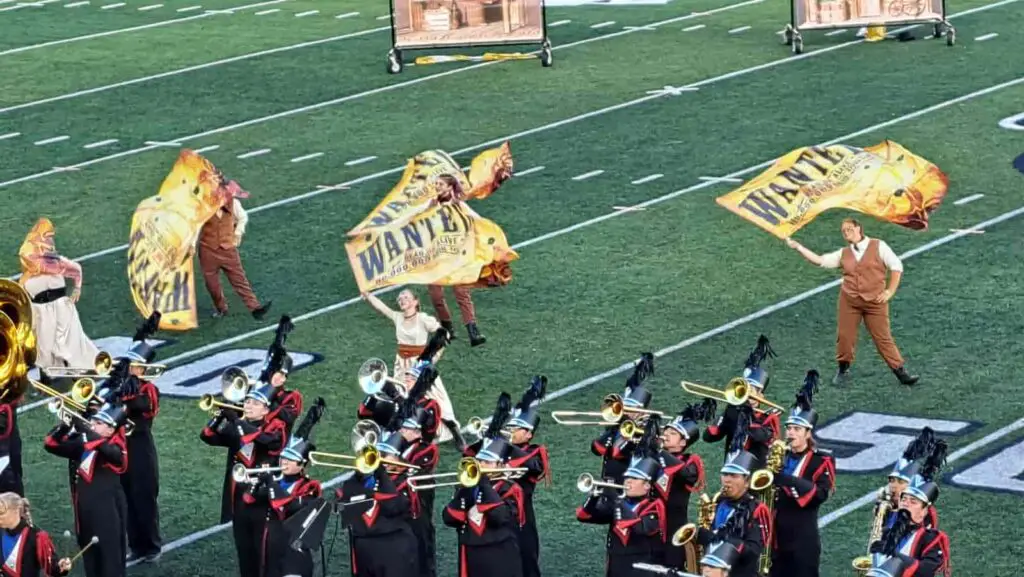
(373, 374)
(586, 483)
(468, 474)
(736, 392)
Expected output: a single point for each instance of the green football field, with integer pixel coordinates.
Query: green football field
(98, 98)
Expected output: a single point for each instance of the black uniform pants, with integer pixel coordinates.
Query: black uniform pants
(423, 528)
(282, 559)
(797, 563)
(95, 519)
(249, 527)
(389, 555)
(529, 549)
(141, 485)
(501, 559)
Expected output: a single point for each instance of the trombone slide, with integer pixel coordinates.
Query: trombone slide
(560, 418)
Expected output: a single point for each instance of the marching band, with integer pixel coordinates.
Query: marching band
(761, 521)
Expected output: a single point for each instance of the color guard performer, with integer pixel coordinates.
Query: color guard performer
(284, 495)
(26, 550)
(762, 425)
(636, 519)
(615, 450)
(806, 481)
(682, 472)
(98, 501)
(254, 441)
(489, 516)
(863, 296)
(522, 427)
(285, 404)
(740, 518)
(421, 339)
(378, 509)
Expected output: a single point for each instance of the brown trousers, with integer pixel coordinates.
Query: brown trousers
(462, 298)
(876, 318)
(212, 261)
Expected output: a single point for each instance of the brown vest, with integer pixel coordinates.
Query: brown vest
(866, 278)
(219, 232)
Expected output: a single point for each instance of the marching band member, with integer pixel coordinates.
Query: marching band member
(903, 471)
(682, 473)
(636, 520)
(382, 406)
(806, 481)
(424, 456)
(717, 562)
(763, 427)
(925, 550)
(378, 509)
(253, 440)
(98, 501)
(60, 340)
(614, 449)
(488, 517)
(740, 518)
(522, 426)
(284, 495)
(285, 404)
(421, 339)
(27, 550)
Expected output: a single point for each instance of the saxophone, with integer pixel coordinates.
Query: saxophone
(763, 483)
(883, 506)
(686, 536)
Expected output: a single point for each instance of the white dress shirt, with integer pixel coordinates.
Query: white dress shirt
(241, 218)
(892, 262)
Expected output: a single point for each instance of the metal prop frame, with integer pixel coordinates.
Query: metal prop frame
(791, 35)
(395, 62)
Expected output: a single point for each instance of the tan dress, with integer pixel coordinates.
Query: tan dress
(412, 336)
(59, 334)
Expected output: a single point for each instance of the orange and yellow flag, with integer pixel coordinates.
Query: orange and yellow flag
(886, 181)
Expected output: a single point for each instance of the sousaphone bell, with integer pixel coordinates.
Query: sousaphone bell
(373, 374)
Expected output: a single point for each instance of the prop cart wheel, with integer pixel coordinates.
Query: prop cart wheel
(938, 31)
(798, 44)
(787, 35)
(545, 55)
(950, 36)
(394, 61)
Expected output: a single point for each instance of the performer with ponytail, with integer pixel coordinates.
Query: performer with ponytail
(286, 494)
(763, 425)
(682, 472)
(806, 481)
(27, 550)
(615, 450)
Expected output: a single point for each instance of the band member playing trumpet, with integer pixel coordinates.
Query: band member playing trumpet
(682, 472)
(614, 449)
(739, 518)
(806, 481)
(421, 339)
(285, 404)
(253, 440)
(378, 511)
(99, 504)
(636, 520)
(27, 551)
(763, 425)
(284, 495)
(489, 516)
(522, 426)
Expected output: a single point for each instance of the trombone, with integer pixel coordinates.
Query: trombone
(366, 462)
(586, 483)
(240, 474)
(57, 396)
(102, 366)
(467, 475)
(373, 374)
(736, 392)
(612, 409)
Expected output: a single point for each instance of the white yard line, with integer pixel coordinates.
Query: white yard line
(519, 173)
(559, 23)
(307, 157)
(835, 32)
(9, 135)
(359, 161)
(188, 69)
(823, 521)
(740, 29)
(967, 199)
(189, 9)
(253, 153)
(100, 143)
(150, 7)
(46, 141)
(587, 175)
(265, 12)
(206, 149)
(74, 4)
(694, 27)
(720, 179)
(109, 6)
(648, 178)
(307, 13)
(985, 37)
(324, 189)
(603, 24)
(131, 29)
(347, 15)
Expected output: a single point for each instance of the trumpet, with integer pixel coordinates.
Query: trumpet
(629, 429)
(57, 407)
(612, 409)
(366, 462)
(240, 474)
(586, 483)
(476, 426)
(467, 475)
(736, 392)
(208, 404)
(373, 374)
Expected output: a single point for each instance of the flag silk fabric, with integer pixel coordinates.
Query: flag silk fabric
(164, 231)
(886, 181)
(424, 232)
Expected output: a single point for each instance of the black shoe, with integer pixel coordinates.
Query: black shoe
(219, 314)
(457, 438)
(475, 338)
(261, 312)
(448, 326)
(905, 377)
(842, 377)
(151, 558)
